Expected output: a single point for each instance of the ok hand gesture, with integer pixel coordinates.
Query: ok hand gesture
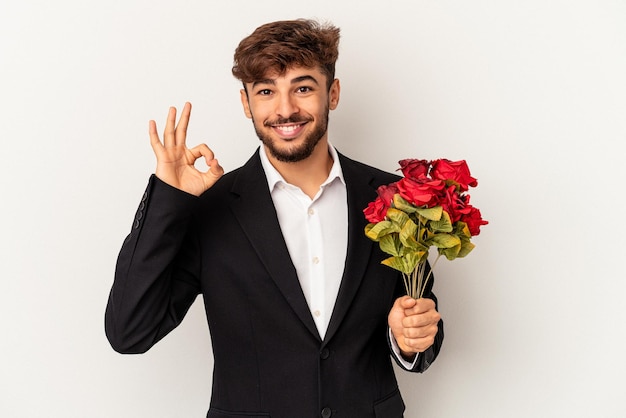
(175, 162)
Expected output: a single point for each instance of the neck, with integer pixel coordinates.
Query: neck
(307, 174)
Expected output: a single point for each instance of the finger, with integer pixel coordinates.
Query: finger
(425, 319)
(215, 170)
(169, 134)
(155, 141)
(420, 332)
(181, 127)
(406, 302)
(419, 345)
(214, 174)
(420, 306)
(202, 150)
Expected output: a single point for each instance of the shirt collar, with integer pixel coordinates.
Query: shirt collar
(273, 176)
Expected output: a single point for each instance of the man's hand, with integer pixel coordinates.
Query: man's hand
(175, 162)
(413, 323)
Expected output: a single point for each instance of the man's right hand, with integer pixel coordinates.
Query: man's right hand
(175, 162)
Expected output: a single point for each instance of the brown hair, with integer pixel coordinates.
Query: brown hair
(279, 46)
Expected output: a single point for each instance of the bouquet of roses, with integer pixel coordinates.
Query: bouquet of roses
(428, 207)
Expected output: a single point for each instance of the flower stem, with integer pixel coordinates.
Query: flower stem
(430, 273)
(407, 280)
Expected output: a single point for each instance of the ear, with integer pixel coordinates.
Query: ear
(245, 103)
(333, 94)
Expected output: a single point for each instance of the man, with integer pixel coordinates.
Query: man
(302, 315)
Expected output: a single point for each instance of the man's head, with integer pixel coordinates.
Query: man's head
(278, 46)
(288, 74)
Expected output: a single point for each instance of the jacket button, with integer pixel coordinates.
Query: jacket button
(325, 353)
(326, 412)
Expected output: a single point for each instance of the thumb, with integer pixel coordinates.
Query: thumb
(214, 172)
(407, 302)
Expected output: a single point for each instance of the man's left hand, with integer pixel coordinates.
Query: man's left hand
(413, 323)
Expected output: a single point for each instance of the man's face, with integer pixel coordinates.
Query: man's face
(290, 112)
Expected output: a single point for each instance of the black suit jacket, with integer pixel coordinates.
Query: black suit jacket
(269, 360)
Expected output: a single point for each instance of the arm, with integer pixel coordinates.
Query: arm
(156, 277)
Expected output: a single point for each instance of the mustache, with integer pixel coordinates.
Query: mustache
(290, 119)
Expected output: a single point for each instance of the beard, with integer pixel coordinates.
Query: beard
(294, 153)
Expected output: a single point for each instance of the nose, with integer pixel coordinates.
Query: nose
(286, 106)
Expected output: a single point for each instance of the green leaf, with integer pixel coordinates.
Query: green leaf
(396, 263)
(401, 204)
(407, 263)
(432, 214)
(445, 241)
(397, 217)
(466, 247)
(450, 253)
(390, 244)
(408, 234)
(462, 230)
(378, 230)
(442, 225)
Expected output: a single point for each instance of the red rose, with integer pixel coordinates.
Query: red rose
(457, 171)
(414, 169)
(421, 193)
(454, 203)
(474, 220)
(376, 211)
(386, 192)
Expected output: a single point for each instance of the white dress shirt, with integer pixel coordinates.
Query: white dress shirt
(316, 233)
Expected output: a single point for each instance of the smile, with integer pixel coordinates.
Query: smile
(289, 130)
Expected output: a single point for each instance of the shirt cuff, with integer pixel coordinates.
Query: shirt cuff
(395, 349)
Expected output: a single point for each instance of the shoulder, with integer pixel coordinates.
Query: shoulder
(356, 169)
(249, 179)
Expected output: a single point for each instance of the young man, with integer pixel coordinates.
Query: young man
(302, 315)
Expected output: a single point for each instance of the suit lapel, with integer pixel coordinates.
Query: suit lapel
(254, 209)
(360, 192)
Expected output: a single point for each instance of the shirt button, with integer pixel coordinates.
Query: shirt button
(316, 260)
(317, 313)
(311, 211)
(326, 412)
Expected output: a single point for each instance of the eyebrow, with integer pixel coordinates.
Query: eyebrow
(304, 78)
(296, 80)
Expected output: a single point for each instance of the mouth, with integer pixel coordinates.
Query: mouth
(288, 130)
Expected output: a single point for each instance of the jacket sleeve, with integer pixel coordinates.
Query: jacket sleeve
(156, 276)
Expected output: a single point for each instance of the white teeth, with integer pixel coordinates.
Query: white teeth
(288, 129)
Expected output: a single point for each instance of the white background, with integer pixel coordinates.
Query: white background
(532, 94)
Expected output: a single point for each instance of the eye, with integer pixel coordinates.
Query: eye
(304, 89)
(264, 92)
